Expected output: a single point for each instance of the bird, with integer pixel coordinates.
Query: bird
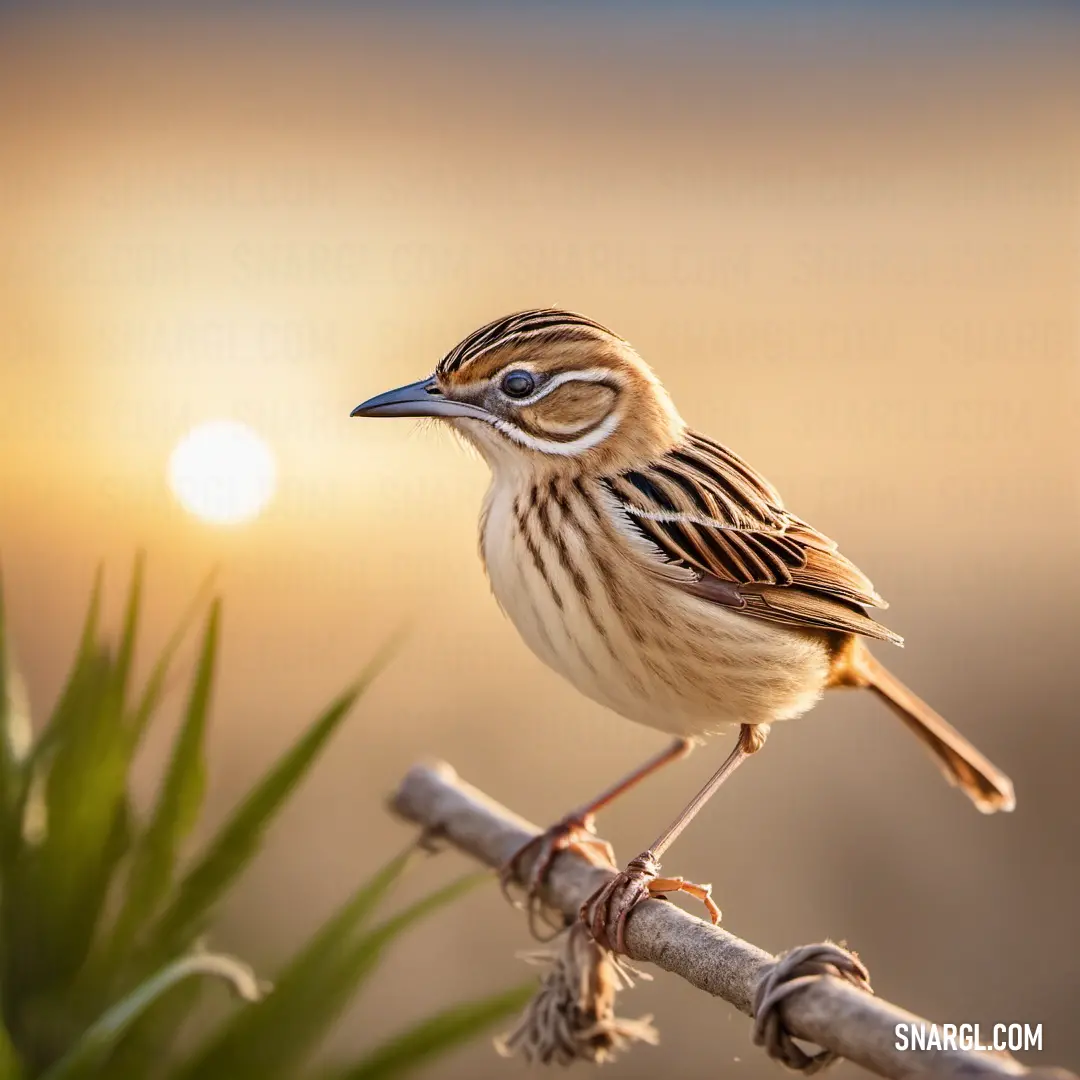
(658, 572)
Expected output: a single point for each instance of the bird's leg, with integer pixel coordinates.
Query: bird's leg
(605, 912)
(577, 832)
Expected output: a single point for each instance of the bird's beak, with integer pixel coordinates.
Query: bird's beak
(423, 398)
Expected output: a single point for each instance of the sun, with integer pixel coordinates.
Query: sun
(222, 472)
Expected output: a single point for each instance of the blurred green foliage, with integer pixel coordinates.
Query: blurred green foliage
(100, 922)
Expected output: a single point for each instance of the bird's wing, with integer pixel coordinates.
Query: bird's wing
(703, 509)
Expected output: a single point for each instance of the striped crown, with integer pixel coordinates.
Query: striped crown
(540, 325)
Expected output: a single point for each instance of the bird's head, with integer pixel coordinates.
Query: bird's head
(545, 389)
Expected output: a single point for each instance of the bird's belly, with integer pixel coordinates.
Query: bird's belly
(640, 646)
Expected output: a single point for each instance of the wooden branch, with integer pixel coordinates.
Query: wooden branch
(830, 1013)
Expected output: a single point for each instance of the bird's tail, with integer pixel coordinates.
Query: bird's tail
(987, 787)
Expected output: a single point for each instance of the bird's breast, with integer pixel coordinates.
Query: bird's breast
(587, 607)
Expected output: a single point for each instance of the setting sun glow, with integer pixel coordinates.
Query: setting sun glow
(222, 472)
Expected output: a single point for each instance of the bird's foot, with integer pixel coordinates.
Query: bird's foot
(606, 911)
(577, 833)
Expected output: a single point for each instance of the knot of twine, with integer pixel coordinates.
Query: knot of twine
(794, 971)
(572, 1015)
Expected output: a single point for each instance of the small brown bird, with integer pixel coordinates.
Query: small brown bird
(656, 570)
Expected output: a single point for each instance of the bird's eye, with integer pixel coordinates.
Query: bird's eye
(518, 384)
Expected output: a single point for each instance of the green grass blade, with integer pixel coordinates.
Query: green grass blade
(85, 1059)
(67, 707)
(72, 836)
(15, 739)
(233, 848)
(179, 801)
(435, 1035)
(92, 623)
(154, 690)
(266, 1022)
(226, 857)
(126, 654)
(73, 821)
(10, 1065)
(299, 1012)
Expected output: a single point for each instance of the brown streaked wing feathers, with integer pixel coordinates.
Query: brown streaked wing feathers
(706, 509)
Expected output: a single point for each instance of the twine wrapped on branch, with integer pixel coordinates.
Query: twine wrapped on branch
(816, 994)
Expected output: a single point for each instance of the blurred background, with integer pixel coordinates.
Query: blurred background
(848, 239)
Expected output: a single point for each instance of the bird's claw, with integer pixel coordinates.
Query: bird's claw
(577, 833)
(606, 911)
